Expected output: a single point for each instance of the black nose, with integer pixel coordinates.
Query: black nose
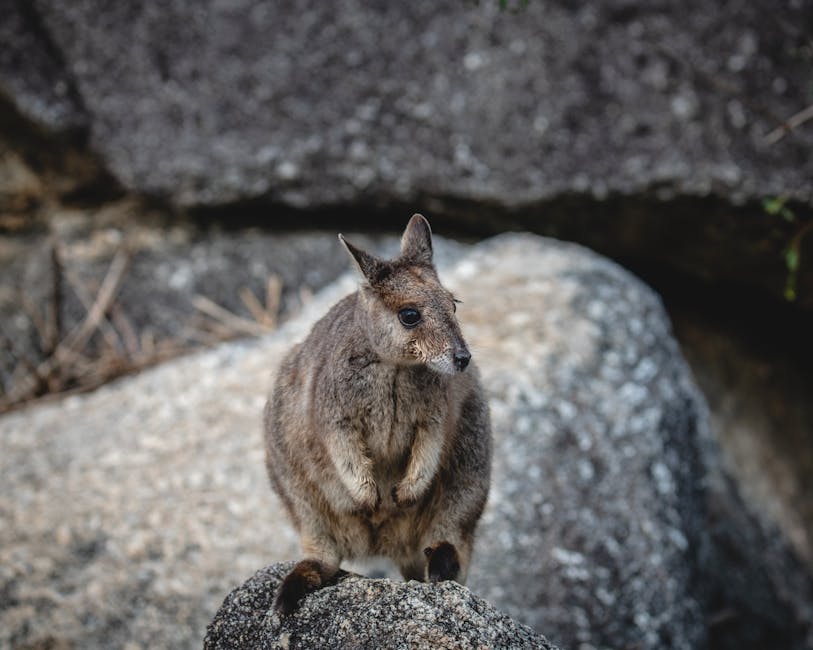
(461, 359)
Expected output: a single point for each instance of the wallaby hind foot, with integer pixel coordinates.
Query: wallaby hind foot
(306, 576)
(443, 562)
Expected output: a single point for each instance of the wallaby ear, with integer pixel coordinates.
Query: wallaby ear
(373, 269)
(416, 242)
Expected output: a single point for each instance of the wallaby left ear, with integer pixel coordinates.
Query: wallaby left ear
(416, 242)
(373, 269)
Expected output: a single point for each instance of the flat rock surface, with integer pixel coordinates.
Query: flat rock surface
(357, 612)
(209, 102)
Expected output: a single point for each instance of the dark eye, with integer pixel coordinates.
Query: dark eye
(409, 317)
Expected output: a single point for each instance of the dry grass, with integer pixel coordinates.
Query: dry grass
(68, 362)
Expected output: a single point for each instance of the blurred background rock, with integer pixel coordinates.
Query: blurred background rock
(172, 175)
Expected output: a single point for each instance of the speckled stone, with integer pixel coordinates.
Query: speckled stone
(358, 612)
(321, 103)
(595, 519)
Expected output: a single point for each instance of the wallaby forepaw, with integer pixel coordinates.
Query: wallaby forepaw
(403, 496)
(443, 562)
(369, 502)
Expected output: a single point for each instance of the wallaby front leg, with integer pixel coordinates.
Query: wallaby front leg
(424, 460)
(355, 468)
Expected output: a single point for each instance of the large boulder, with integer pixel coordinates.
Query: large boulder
(320, 103)
(127, 514)
(361, 613)
(596, 518)
(611, 521)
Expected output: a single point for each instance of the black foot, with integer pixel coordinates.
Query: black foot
(306, 576)
(443, 562)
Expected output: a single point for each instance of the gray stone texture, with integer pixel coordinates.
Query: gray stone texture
(33, 73)
(369, 614)
(596, 407)
(127, 514)
(321, 103)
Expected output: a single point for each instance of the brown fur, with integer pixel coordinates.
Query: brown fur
(377, 440)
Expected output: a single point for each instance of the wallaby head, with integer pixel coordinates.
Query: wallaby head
(407, 315)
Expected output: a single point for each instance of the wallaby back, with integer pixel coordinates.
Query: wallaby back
(377, 433)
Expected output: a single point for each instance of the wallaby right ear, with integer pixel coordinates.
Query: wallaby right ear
(373, 269)
(416, 242)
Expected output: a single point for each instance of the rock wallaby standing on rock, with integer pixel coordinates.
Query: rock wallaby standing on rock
(378, 438)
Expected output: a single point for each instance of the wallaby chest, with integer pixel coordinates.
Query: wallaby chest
(388, 404)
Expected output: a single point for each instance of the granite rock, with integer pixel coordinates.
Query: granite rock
(322, 104)
(358, 612)
(595, 521)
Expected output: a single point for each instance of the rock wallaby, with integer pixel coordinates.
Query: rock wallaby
(378, 439)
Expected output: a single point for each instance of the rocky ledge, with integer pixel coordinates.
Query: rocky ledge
(339, 105)
(358, 612)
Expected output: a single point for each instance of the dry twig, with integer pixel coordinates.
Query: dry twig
(41, 382)
(32, 311)
(126, 331)
(255, 307)
(85, 297)
(273, 296)
(72, 365)
(791, 123)
(66, 362)
(55, 315)
(79, 337)
(232, 321)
